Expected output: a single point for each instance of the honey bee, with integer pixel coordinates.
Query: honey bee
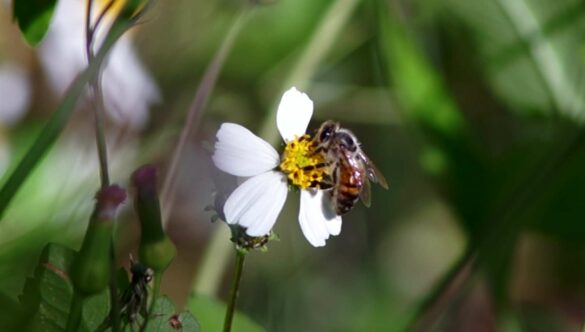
(350, 168)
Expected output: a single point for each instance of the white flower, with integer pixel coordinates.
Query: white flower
(128, 89)
(256, 203)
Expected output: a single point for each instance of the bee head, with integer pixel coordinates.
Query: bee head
(327, 131)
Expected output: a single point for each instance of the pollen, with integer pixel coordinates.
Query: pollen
(303, 167)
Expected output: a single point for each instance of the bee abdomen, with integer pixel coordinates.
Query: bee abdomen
(347, 196)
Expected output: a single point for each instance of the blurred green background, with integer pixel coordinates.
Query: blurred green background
(473, 111)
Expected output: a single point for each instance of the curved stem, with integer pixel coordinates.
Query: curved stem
(229, 314)
(98, 111)
(433, 304)
(96, 97)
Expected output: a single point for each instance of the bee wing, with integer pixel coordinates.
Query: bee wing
(366, 193)
(373, 172)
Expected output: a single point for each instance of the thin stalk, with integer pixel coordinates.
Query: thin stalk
(74, 320)
(229, 313)
(98, 111)
(196, 110)
(154, 297)
(99, 127)
(88, 30)
(431, 306)
(96, 96)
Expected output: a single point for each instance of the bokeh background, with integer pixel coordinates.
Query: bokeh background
(473, 111)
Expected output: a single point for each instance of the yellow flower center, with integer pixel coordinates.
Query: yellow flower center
(304, 167)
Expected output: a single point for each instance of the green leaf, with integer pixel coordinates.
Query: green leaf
(211, 312)
(165, 318)
(47, 295)
(33, 17)
(95, 310)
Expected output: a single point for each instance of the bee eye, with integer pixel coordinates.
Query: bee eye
(326, 133)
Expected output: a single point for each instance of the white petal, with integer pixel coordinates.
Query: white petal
(334, 225)
(256, 203)
(239, 152)
(294, 113)
(316, 218)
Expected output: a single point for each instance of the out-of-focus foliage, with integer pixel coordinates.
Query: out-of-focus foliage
(33, 18)
(473, 110)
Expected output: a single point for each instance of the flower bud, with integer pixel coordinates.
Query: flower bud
(156, 249)
(90, 271)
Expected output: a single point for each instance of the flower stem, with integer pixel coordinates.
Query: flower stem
(96, 97)
(229, 314)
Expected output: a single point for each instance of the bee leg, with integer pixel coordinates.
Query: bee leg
(317, 166)
(318, 150)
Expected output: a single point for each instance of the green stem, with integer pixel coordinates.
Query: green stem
(74, 320)
(100, 137)
(98, 111)
(229, 314)
(96, 97)
(154, 297)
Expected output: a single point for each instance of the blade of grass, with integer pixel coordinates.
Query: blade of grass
(58, 119)
(199, 102)
(544, 56)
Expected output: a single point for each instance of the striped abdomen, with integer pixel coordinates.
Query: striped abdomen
(350, 177)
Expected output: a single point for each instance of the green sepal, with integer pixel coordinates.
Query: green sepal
(91, 268)
(158, 255)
